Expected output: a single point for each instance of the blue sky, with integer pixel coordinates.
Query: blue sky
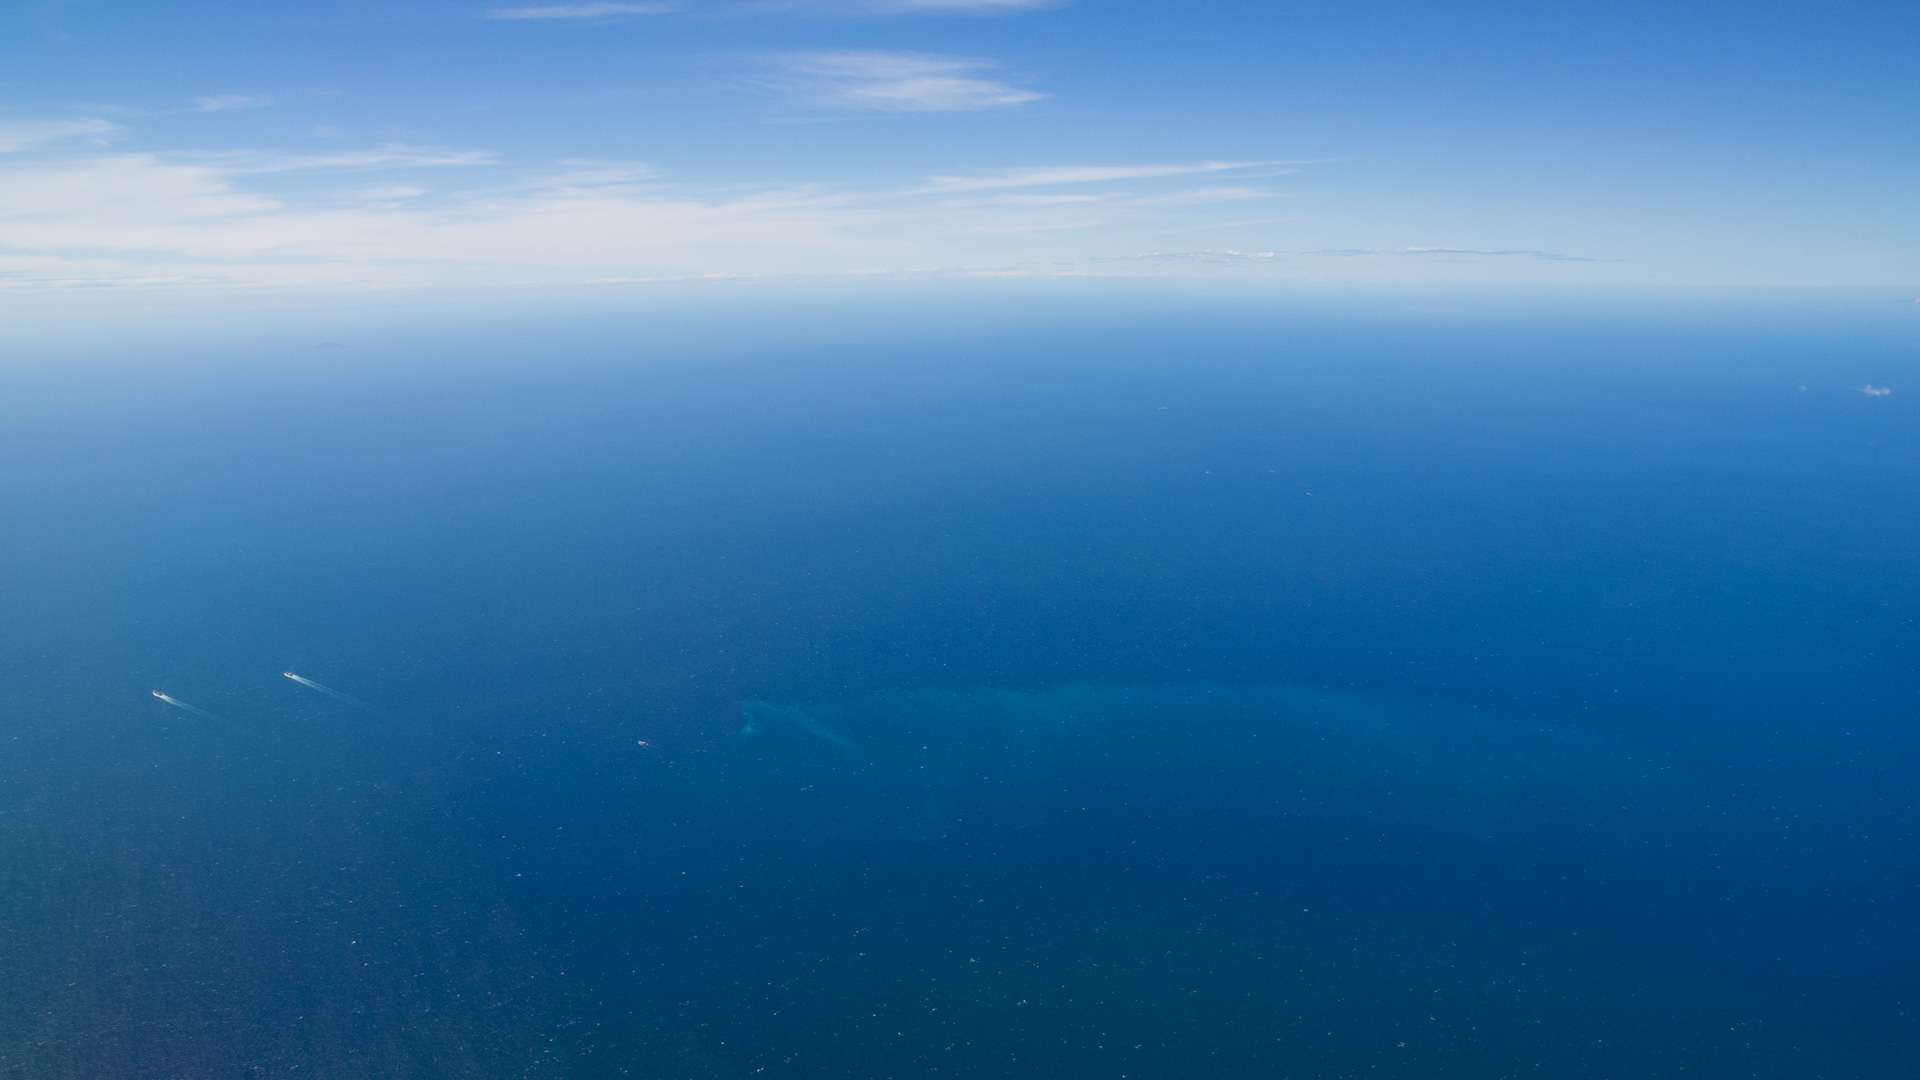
(395, 145)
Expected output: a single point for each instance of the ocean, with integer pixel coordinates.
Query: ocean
(963, 681)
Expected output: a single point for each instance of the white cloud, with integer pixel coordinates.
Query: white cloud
(250, 218)
(391, 156)
(589, 171)
(223, 102)
(389, 193)
(1216, 258)
(907, 7)
(1129, 199)
(581, 11)
(958, 5)
(1207, 195)
(1551, 256)
(891, 81)
(143, 208)
(22, 134)
(1080, 174)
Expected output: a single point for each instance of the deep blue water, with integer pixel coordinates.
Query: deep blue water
(886, 688)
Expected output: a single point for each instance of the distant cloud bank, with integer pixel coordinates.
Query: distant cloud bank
(400, 216)
(447, 216)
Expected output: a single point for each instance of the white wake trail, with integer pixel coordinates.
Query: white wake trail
(221, 722)
(178, 704)
(330, 692)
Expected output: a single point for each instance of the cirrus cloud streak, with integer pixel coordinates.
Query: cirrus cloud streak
(592, 12)
(894, 82)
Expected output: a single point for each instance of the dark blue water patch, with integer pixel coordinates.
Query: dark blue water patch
(1567, 888)
(1582, 649)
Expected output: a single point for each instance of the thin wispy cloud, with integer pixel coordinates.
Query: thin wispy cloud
(956, 5)
(23, 134)
(224, 102)
(1032, 213)
(1206, 195)
(1213, 258)
(388, 193)
(148, 220)
(587, 171)
(76, 215)
(1552, 256)
(906, 7)
(1128, 198)
(391, 156)
(600, 11)
(1081, 174)
(895, 82)
(118, 218)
